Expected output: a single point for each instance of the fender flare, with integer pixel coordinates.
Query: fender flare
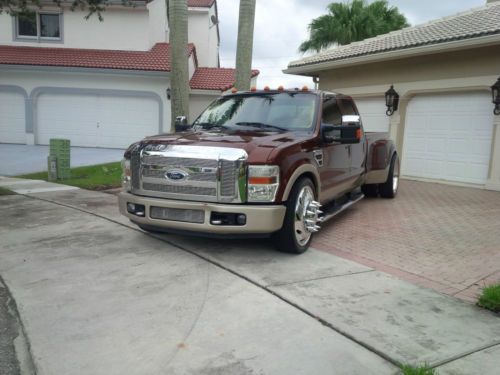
(300, 171)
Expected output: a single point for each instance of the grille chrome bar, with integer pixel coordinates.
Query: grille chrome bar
(207, 174)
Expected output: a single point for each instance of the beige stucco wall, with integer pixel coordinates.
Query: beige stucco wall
(471, 70)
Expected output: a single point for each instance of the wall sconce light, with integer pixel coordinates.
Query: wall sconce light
(495, 92)
(169, 93)
(391, 101)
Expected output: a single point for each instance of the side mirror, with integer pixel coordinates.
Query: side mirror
(348, 133)
(181, 124)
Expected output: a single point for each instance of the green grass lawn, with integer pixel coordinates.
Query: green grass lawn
(423, 370)
(94, 177)
(4, 191)
(490, 298)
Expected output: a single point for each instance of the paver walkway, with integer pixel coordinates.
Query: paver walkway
(442, 237)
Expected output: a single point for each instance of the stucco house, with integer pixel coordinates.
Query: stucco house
(443, 71)
(101, 84)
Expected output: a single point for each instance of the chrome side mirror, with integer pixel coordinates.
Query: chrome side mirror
(351, 120)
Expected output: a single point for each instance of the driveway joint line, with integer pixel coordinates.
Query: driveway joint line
(475, 282)
(319, 278)
(255, 283)
(465, 354)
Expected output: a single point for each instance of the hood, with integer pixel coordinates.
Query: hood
(257, 144)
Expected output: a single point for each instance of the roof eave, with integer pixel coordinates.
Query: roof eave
(314, 68)
(50, 68)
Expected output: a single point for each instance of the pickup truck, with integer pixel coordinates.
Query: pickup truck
(273, 163)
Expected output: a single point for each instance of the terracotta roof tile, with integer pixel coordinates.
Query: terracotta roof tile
(156, 59)
(220, 79)
(474, 23)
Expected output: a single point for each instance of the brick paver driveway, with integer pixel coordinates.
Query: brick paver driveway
(438, 236)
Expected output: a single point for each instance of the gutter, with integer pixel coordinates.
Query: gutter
(312, 69)
(44, 68)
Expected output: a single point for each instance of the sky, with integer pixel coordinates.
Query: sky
(281, 25)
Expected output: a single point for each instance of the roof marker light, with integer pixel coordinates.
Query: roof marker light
(234, 90)
(253, 89)
(281, 88)
(305, 88)
(267, 88)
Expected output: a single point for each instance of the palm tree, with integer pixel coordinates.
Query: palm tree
(352, 22)
(179, 79)
(245, 44)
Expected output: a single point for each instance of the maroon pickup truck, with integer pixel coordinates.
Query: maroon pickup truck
(259, 163)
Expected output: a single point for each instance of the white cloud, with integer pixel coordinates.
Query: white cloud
(281, 25)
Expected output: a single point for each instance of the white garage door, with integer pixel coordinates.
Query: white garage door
(448, 137)
(12, 118)
(96, 121)
(372, 111)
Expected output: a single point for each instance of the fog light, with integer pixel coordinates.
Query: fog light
(136, 209)
(241, 219)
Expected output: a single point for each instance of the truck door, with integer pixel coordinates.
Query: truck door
(335, 173)
(357, 151)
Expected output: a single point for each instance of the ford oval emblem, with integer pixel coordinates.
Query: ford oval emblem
(176, 175)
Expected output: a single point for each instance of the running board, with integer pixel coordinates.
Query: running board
(338, 209)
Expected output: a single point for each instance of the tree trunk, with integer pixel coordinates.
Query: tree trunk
(245, 45)
(179, 78)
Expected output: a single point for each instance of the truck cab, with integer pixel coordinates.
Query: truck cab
(272, 163)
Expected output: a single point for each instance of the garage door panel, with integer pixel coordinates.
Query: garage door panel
(448, 137)
(12, 118)
(95, 120)
(372, 111)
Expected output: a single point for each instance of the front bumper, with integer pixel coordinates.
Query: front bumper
(259, 219)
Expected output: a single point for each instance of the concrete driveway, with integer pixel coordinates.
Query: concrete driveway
(96, 295)
(21, 159)
(438, 236)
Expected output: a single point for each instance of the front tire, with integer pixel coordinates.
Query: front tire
(389, 188)
(301, 216)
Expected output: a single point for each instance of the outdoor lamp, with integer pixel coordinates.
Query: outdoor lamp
(391, 101)
(169, 93)
(495, 91)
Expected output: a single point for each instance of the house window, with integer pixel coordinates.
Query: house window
(33, 25)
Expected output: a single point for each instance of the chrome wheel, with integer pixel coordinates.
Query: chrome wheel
(306, 215)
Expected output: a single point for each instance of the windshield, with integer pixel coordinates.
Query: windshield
(264, 112)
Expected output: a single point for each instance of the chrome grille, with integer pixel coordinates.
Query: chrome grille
(206, 174)
(178, 189)
(176, 214)
(228, 174)
(135, 166)
(178, 162)
(160, 173)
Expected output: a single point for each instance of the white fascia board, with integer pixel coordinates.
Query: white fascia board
(199, 10)
(310, 70)
(205, 92)
(42, 68)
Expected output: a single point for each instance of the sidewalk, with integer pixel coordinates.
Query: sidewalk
(97, 297)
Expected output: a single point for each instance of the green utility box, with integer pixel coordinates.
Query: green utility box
(59, 159)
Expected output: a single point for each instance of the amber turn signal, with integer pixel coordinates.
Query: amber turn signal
(262, 180)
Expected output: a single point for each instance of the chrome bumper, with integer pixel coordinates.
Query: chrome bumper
(259, 219)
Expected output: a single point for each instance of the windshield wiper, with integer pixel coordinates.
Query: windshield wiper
(261, 126)
(209, 125)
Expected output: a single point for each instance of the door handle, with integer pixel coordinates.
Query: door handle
(349, 150)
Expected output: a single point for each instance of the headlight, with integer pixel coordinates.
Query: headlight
(263, 182)
(126, 174)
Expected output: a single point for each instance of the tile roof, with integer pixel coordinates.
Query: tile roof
(220, 79)
(200, 3)
(474, 23)
(156, 59)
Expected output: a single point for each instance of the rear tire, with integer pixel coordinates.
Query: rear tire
(389, 188)
(293, 237)
(370, 190)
